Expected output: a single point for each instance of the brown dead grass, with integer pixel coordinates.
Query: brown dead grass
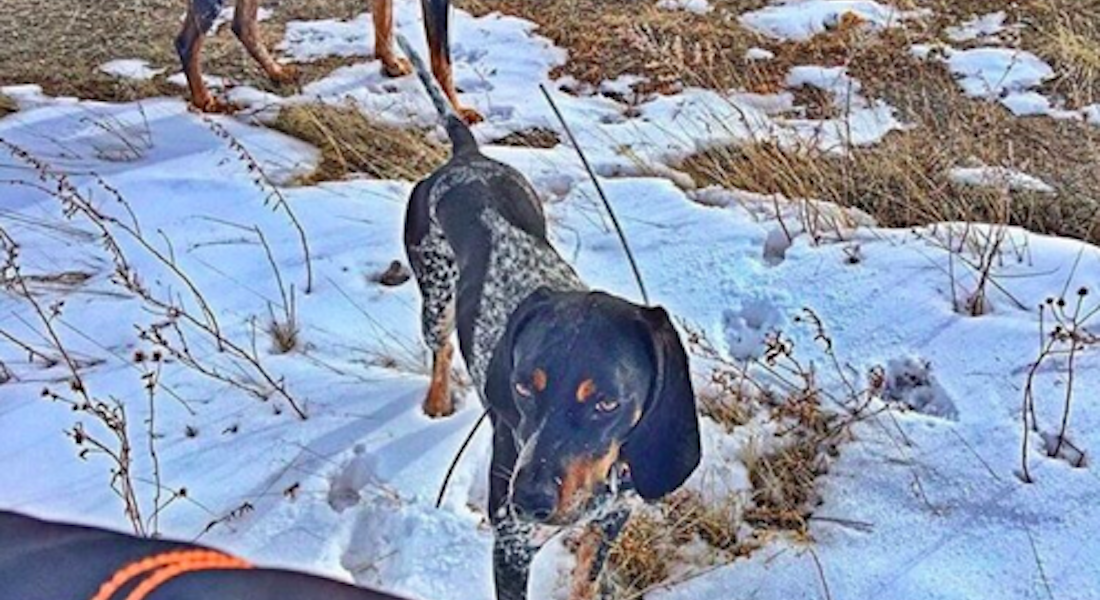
(60, 45)
(642, 556)
(609, 38)
(904, 180)
(350, 143)
(7, 106)
(1065, 33)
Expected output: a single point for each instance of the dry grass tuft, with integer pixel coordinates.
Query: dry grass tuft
(904, 180)
(783, 486)
(7, 106)
(654, 537)
(284, 331)
(350, 142)
(609, 38)
(1067, 34)
(727, 399)
(642, 553)
(530, 138)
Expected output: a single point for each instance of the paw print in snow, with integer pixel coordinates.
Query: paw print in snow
(747, 328)
(909, 381)
(347, 484)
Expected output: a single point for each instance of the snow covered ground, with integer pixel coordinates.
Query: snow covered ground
(926, 502)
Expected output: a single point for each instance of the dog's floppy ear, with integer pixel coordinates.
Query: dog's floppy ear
(663, 449)
(498, 378)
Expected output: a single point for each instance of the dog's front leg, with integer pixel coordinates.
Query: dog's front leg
(513, 550)
(592, 552)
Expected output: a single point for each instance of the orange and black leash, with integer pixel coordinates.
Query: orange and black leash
(158, 569)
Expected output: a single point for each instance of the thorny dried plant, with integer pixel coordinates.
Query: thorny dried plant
(809, 423)
(1071, 333)
(170, 333)
(109, 414)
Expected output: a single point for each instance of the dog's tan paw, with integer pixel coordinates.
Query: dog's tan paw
(212, 105)
(393, 66)
(469, 115)
(285, 74)
(438, 406)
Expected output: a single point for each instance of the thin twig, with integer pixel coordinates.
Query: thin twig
(599, 190)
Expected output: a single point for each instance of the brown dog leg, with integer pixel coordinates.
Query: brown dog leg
(246, 28)
(439, 402)
(189, 46)
(392, 65)
(436, 18)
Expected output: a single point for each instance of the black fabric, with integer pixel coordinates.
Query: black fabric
(41, 560)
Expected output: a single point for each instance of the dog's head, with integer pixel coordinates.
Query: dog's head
(587, 382)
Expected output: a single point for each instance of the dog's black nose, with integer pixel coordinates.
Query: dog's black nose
(534, 505)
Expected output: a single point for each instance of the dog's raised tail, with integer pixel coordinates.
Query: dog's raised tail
(462, 139)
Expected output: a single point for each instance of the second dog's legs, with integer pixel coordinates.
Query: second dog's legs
(393, 65)
(246, 28)
(436, 17)
(200, 17)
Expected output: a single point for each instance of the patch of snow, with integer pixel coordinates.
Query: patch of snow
(978, 27)
(802, 19)
(1000, 177)
(756, 53)
(622, 85)
(996, 73)
(867, 121)
(1006, 75)
(28, 96)
(699, 7)
(225, 16)
(130, 68)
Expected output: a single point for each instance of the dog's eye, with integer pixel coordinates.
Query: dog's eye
(606, 405)
(523, 390)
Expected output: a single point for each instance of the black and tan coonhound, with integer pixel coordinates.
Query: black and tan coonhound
(41, 560)
(201, 15)
(589, 395)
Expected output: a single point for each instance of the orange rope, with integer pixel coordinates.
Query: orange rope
(164, 567)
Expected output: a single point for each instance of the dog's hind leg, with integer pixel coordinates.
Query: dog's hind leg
(433, 262)
(436, 26)
(200, 17)
(246, 28)
(392, 65)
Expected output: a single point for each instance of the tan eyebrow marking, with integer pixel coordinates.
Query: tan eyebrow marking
(540, 379)
(585, 390)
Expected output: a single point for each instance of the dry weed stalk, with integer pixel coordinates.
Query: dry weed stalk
(274, 196)
(811, 424)
(74, 203)
(110, 414)
(1069, 337)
